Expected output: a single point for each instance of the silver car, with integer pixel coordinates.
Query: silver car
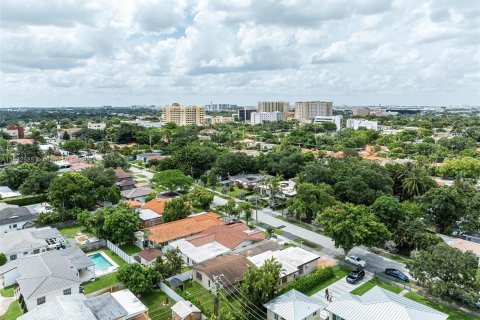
(356, 261)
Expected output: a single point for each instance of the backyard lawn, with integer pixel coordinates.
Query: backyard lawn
(130, 248)
(7, 292)
(102, 282)
(113, 256)
(71, 232)
(154, 300)
(13, 312)
(198, 295)
(339, 273)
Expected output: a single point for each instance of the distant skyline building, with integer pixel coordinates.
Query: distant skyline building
(308, 110)
(362, 123)
(183, 116)
(337, 120)
(245, 113)
(220, 106)
(262, 117)
(273, 106)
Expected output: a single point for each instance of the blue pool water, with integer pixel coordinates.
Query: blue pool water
(101, 264)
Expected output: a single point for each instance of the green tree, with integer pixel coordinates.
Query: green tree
(416, 183)
(233, 163)
(37, 182)
(100, 176)
(469, 167)
(137, 278)
(443, 207)
(170, 264)
(389, 211)
(447, 272)
(173, 180)
(230, 208)
(176, 209)
(29, 153)
(65, 135)
(259, 286)
(115, 160)
(74, 145)
(71, 190)
(14, 176)
(349, 226)
(246, 210)
(121, 224)
(200, 198)
(310, 200)
(3, 259)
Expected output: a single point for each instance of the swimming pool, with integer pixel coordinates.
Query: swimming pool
(103, 264)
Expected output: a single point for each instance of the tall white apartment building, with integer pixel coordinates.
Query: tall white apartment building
(308, 110)
(183, 116)
(272, 106)
(262, 117)
(362, 123)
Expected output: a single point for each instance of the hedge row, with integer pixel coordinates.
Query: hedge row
(26, 200)
(304, 284)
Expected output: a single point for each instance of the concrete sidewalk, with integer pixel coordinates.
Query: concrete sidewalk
(341, 287)
(5, 303)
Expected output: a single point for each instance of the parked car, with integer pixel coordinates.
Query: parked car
(356, 275)
(356, 261)
(396, 274)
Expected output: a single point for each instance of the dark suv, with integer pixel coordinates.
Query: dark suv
(355, 276)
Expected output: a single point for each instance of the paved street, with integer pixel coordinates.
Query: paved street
(375, 263)
(145, 172)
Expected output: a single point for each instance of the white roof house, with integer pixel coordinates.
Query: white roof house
(198, 254)
(132, 305)
(380, 304)
(184, 310)
(291, 258)
(6, 192)
(294, 305)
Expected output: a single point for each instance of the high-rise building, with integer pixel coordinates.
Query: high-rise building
(273, 106)
(308, 110)
(183, 116)
(262, 117)
(244, 113)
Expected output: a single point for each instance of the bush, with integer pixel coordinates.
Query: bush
(27, 200)
(3, 259)
(306, 283)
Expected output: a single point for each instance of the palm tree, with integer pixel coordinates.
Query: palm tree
(274, 187)
(246, 209)
(416, 183)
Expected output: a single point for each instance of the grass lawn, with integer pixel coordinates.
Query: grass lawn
(453, 314)
(130, 248)
(395, 257)
(13, 312)
(297, 223)
(101, 283)
(478, 273)
(199, 296)
(308, 244)
(339, 273)
(71, 232)
(7, 292)
(154, 302)
(113, 256)
(375, 282)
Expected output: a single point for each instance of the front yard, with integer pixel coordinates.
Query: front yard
(339, 273)
(13, 312)
(7, 292)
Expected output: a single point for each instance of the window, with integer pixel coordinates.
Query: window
(13, 257)
(40, 301)
(25, 253)
(15, 225)
(199, 276)
(66, 292)
(209, 283)
(335, 317)
(36, 251)
(284, 279)
(315, 313)
(276, 317)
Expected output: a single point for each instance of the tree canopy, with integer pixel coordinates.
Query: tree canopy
(173, 180)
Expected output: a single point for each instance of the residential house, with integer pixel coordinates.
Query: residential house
(12, 219)
(44, 276)
(230, 267)
(463, 245)
(294, 305)
(149, 218)
(124, 179)
(215, 241)
(29, 241)
(6, 192)
(145, 157)
(286, 189)
(148, 256)
(138, 194)
(296, 262)
(185, 310)
(157, 205)
(112, 306)
(380, 304)
(164, 233)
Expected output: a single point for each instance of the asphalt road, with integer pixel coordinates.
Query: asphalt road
(375, 263)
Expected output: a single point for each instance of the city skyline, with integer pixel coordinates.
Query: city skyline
(93, 53)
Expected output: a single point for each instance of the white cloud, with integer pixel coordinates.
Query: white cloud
(72, 52)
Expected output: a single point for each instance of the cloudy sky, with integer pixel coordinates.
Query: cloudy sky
(123, 52)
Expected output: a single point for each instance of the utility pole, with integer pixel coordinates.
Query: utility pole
(217, 285)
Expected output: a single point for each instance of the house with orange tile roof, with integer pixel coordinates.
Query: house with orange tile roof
(156, 205)
(215, 241)
(192, 225)
(132, 203)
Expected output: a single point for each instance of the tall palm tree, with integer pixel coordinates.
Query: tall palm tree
(416, 183)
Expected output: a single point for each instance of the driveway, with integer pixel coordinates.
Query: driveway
(340, 288)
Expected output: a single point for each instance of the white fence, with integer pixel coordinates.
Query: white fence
(171, 293)
(119, 252)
